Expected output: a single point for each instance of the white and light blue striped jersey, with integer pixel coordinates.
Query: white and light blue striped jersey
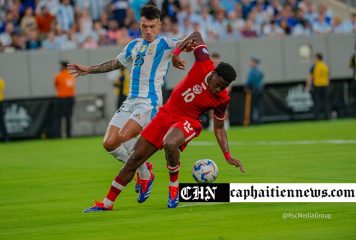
(150, 62)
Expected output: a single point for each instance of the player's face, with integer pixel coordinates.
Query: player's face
(217, 84)
(150, 28)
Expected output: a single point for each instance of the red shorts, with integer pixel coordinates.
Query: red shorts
(163, 121)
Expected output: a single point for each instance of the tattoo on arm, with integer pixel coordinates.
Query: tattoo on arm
(106, 66)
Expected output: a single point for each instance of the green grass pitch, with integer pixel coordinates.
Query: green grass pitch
(45, 185)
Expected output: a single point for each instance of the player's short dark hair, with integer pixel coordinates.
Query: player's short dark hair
(150, 12)
(226, 71)
(319, 56)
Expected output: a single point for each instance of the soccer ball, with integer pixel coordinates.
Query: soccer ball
(205, 171)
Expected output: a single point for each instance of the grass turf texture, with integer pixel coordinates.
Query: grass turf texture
(45, 185)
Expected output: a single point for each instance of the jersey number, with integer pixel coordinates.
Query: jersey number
(187, 126)
(189, 95)
(139, 59)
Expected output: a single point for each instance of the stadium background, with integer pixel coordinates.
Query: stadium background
(45, 184)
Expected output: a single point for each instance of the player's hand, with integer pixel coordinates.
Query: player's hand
(236, 163)
(77, 69)
(178, 62)
(189, 47)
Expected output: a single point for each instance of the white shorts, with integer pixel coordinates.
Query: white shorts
(138, 109)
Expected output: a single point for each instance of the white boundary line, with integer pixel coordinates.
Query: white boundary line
(278, 142)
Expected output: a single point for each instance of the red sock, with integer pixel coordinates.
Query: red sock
(173, 174)
(115, 189)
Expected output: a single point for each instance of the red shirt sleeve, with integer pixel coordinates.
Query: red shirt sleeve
(201, 53)
(219, 111)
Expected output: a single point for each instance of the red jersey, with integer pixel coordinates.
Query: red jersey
(192, 96)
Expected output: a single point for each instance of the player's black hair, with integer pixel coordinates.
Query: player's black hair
(226, 71)
(150, 12)
(319, 56)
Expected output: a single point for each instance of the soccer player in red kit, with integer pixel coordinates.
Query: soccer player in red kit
(177, 121)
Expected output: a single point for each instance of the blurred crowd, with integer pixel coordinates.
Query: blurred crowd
(72, 24)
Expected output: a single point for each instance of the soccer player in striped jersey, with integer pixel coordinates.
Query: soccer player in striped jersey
(150, 59)
(178, 120)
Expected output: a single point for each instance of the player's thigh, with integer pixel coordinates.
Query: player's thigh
(173, 138)
(130, 130)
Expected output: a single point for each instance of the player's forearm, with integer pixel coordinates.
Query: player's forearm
(107, 66)
(194, 37)
(221, 138)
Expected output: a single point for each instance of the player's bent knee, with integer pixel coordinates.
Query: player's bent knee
(169, 146)
(110, 145)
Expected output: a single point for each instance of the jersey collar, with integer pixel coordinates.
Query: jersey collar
(206, 78)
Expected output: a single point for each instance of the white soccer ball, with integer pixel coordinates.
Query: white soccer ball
(205, 171)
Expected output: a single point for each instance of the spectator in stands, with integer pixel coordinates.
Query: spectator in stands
(246, 6)
(236, 20)
(3, 131)
(64, 84)
(51, 5)
(70, 42)
(50, 43)
(134, 30)
(45, 22)
(350, 25)
(5, 37)
(28, 22)
(175, 33)
(18, 42)
(262, 16)
(303, 28)
(248, 30)
(90, 43)
(230, 34)
(187, 27)
(220, 23)
(322, 24)
(272, 30)
(85, 23)
(275, 8)
(170, 8)
(119, 11)
(33, 42)
(318, 78)
(205, 20)
(65, 16)
(337, 26)
(96, 7)
(254, 85)
(227, 5)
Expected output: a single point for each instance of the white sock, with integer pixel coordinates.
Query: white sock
(142, 170)
(120, 154)
(226, 124)
(108, 203)
(211, 124)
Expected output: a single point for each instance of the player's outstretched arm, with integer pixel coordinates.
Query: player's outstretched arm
(221, 137)
(188, 44)
(81, 70)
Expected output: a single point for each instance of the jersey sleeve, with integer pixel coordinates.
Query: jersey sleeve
(219, 111)
(201, 53)
(125, 57)
(171, 42)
